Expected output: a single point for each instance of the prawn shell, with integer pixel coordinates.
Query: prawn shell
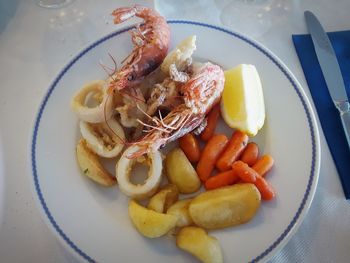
(97, 114)
(96, 144)
(123, 171)
(151, 42)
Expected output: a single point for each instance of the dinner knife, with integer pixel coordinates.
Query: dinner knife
(330, 69)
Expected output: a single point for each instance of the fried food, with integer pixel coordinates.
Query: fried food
(162, 200)
(150, 223)
(197, 242)
(123, 173)
(225, 207)
(91, 167)
(106, 140)
(181, 172)
(180, 209)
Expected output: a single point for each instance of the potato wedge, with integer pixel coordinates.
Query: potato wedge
(162, 200)
(196, 241)
(150, 223)
(91, 167)
(224, 207)
(180, 209)
(181, 172)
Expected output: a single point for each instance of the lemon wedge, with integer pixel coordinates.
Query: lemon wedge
(242, 103)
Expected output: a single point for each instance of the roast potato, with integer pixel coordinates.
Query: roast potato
(91, 167)
(162, 200)
(196, 241)
(224, 207)
(180, 209)
(181, 172)
(150, 223)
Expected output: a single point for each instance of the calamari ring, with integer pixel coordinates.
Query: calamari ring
(151, 184)
(94, 114)
(101, 139)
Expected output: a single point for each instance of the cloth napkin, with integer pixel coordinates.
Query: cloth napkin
(327, 113)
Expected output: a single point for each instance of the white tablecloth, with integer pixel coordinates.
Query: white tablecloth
(36, 42)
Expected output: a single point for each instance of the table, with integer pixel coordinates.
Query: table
(35, 43)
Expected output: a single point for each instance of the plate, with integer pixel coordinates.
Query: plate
(93, 221)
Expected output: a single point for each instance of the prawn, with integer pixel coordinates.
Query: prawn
(151, 40)
(200, 94)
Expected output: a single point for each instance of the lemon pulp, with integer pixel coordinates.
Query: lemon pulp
(242, 103)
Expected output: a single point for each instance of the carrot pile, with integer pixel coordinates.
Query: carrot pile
(211, 152)
(190, 146)
(236, 160)
(212, 120)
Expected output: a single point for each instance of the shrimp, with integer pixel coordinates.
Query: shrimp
(165, 94)
(151, 40)
(200, 94)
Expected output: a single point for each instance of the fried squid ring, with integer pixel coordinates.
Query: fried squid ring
(103, 111)
(123, 171)
(101, 139)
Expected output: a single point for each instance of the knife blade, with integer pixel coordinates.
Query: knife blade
(330, 69)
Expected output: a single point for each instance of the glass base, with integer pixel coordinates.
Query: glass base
(53, 3)
(252, 17)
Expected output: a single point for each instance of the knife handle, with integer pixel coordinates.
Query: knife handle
(344, 109)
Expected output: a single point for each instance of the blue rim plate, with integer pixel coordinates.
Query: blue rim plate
(266, 234)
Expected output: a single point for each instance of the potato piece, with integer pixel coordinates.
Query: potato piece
(162, 200)
(196, 241)
(91, 167)
(180, 209)
(150, 223)
(181, 172)
(224, 207)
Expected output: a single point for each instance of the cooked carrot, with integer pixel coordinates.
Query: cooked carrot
(234, 149)
(250, 154)
(189, 144)
(265, 189)
(247, 174)
(212, 119)
(221, 179)
(210, 154)
(263, 165)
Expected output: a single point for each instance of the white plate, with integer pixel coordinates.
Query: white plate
(93, 221)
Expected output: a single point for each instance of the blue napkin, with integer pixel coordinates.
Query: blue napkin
(327, 113)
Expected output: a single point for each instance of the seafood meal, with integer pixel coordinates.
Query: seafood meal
(157, 96)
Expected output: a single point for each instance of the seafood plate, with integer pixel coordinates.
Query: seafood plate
(121, 110)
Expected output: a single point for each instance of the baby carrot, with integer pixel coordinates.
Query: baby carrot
(248, 175)
(263, 165)
(221, 179)
(244, 172)
(233, 151)
(265, 189)
(250, 154)
(189, 144)
(210, 154)
(212, 119)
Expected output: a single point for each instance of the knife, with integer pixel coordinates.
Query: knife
(330, 69)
